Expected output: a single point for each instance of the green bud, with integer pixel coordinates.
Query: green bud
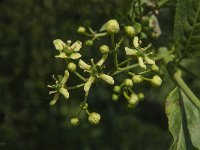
(129, 30)
(155, 68)
(81, 30)
(94, 118)
(112, 26)
(137, 79)
(115, 97)
(89, 43)
(74, 121)
(84, 105)
(104, 49)
(141, 96)
(133, 101)
(128, 83)
(71, 67)
(156, 81)
(117, 89)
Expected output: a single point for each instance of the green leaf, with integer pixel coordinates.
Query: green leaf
(183, 121)
(187, 28)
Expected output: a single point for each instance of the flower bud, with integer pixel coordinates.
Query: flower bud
(155, 68)
(128, 83)
(64, 92)
(133, 101)
(137, 79)
(156, 81)
(141, 96)
(94, 118)
(129, 30)
(81, 30)
(89, 43)
(71, 67)
(115, 97)
(74, 121)
(104, 49)
(112, 26)
(117, 89)
(84, 105)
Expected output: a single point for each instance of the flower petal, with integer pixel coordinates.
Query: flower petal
(65, 78)
(136, 42)
(130, 51)
(64, 92)
(83, 65)
(107, 78)
(76, 46)
(141, 63)
(55, 99)
(61, 55)
(149, 61)
(88, 84)
(59, 44)
(75, 56)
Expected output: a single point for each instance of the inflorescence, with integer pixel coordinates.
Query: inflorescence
(135, 56)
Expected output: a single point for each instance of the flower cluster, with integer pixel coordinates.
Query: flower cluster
(136, 55)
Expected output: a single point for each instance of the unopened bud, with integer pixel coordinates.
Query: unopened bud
(137, 79)
(133, 101)
(129, 30)
(117, 89)
(89, 43)
(74, 121)
(155, 68)
(141, 96)
(104, 49)
(81, 30)
(112, 26)
(128, 83)
(71, 67)
(156, 81)
(94, 118)
(115, 97)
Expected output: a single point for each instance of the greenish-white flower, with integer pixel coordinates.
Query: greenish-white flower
(94, 74)
(59, 87)
(139, 52)
(67, 50)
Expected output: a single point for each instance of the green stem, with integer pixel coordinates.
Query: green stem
(183, 86)
(124, 62)
(115, 50)
(76, 86)
(133, 66)
(80, 76)
(140, 9)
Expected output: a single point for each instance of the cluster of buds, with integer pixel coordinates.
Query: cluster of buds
(136, 56)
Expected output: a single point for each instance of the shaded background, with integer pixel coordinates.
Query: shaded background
(27, 122)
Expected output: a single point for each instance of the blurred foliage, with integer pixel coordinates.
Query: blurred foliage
(27, 29)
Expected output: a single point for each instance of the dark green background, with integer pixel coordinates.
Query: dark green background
(27, 122)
